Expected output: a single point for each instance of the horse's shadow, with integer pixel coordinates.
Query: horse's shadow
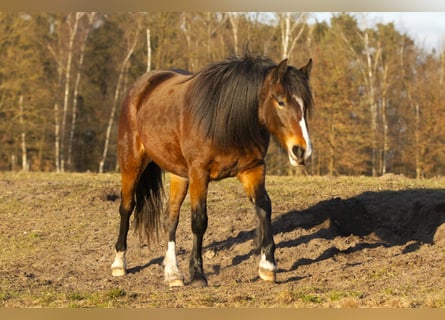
(389, 217)
(137, 269)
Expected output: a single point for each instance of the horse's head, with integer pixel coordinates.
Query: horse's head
(284, 103)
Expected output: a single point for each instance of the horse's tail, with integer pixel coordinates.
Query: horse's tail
(149, 202)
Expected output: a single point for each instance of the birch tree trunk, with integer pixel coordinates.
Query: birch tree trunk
(57, 123)
(372, 101)
(413, 105)
(116, 99)
(367, 69)
(188, 40)
(289, 22)
(76, 87)
(25, 166)
(417, 142)
(73, 27)
(148, 50)
(234, 19)
(56, 136)
(442, 74)
(58, 59)
(385, 150)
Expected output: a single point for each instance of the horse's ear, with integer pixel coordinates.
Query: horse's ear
(307, 69)
(280, 71)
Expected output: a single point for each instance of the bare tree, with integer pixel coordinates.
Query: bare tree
(414, 105)
(83, 42)
(63, 55)
(25, 166)
(384, 98)
(148, 50)
(73, 24)
(185, 28)
(368, 61)
(57, 58)
(234, 21)
(132, 38)
(202, 33)
(291, 29)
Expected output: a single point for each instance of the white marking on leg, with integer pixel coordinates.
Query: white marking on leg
(170, 256)
(119, 266)
(266, 265)
(171, 271)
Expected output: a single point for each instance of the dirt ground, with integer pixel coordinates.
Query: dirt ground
(341, 242)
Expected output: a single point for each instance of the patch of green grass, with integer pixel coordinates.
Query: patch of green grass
(301, 295)
(7, 295)
(108, 299)
(75, 296)
(48, 298)
(115, 293)
(243, 299)
(336, 295)
(315, 296)
(208, 300)
(385, 272)
(311, 298)
(391, 292)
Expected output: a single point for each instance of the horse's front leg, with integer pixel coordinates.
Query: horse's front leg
(178, 191)
(253, 181)
(198, 200)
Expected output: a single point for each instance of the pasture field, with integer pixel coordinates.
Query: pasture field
(340, 242)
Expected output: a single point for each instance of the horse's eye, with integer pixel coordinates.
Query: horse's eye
(281, 102)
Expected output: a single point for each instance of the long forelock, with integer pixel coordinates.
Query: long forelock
(224, 101)
(297, 84)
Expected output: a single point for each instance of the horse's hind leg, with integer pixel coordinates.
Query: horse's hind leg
(132, 164)
(254, 184)
(178, 191)
(129, 179)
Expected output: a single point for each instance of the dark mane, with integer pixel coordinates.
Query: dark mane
(224, 101)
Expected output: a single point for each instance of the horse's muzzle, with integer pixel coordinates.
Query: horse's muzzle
(297, 156)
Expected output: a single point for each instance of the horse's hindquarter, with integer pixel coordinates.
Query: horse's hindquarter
(159, 119)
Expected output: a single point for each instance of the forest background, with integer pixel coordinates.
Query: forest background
(379, 98)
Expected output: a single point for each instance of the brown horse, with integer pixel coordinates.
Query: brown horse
(203, 127)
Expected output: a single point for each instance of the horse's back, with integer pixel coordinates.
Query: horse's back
(146, 84)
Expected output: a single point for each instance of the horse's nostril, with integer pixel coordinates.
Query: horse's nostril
(298, 151)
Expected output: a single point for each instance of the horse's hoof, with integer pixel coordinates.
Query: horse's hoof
(119, 266)
(118, 272)
(267, 275)
(176, 283)
(199, 283)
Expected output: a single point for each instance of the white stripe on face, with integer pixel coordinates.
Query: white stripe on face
(304, 129)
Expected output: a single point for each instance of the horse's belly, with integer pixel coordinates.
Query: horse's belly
(226, 166)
